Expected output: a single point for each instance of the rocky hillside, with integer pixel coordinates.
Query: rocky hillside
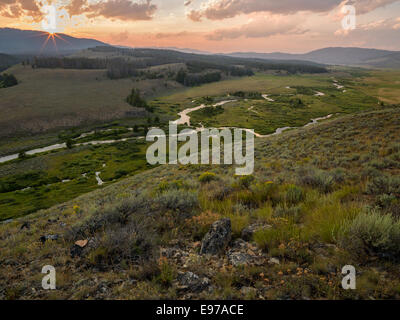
(321, 198)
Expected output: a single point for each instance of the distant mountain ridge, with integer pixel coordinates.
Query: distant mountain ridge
(30, 42)
(23, 42)
(349, 56)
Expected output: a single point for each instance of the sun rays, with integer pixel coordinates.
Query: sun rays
(53, 38)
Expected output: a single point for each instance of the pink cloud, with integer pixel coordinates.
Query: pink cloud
(260, 27)
(223, 9)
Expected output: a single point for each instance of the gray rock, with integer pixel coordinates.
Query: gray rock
(246, 291)
(192, 282)
(217, 239)
(274, 261)
(239, 259)
(53, 237)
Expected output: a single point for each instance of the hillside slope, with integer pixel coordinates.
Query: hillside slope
(24, 42)
(308, 206)
(336, 56)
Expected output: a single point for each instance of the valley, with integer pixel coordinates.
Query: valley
(73, 170)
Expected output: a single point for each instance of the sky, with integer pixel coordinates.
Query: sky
(295, 26)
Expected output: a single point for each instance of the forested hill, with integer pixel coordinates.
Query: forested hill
(189, 69)
(31, 42)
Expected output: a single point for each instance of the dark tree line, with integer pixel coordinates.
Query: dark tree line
(117, 68)
(136, 100)
(197, 62)
(199, 68)
(247, 95)
(191, 80)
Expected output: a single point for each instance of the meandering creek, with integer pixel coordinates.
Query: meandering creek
(183, 120)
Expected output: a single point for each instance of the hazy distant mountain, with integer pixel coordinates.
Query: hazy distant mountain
(185, 50)
(336, 56)
(21, 42)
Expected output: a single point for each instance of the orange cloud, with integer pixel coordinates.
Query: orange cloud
(20, 8)
(260, 27)
(223, 9)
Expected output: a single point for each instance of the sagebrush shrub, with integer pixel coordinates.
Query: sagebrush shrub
(294, 195)
(246, 181)
(317, 179)
(164, 186)
(217, 190)
(372, 233)
(179, 200)
(383, 185)
(207, 177)
(385, 201)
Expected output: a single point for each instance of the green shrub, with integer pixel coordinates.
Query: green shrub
(173, 185)
(167, 273)
(294, 195)
(317, 179)
(372, 234)
(176, 200)
(132, 243)
(268, 239)
(248, 199)
(293, 212)
(385, 201)
(267, 191)
(207, 177)
(217, 190)
(383, 185)
(246, 181)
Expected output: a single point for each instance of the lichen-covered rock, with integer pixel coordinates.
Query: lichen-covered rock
(218, 238)
(239, 259)
(192, 282)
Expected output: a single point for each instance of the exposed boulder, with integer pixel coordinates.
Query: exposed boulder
(192, 282)
(239, 259)
(248, 291)
(274, 261)
(45, 238)
(218, 238)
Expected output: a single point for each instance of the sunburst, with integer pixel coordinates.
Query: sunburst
(53, 37)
